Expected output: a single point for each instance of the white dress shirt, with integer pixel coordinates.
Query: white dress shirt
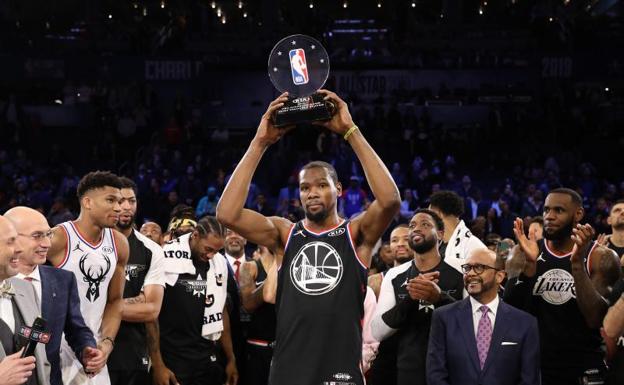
(477, 314)
(36, 282)
(231, 261)
(6, 312)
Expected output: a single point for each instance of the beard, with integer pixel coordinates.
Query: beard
(424, 246)
(562, 233)
(318, 216)
(485, 286)
(125, 225)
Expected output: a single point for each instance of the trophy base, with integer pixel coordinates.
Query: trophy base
(304, 110)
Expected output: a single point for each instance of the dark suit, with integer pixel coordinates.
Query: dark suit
(60, 307)
(513, 357)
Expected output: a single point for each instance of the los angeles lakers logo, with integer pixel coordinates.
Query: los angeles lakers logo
(316, 269)
(556, 286)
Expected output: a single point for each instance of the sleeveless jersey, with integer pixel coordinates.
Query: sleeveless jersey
(93, 266)
(320, 306)
(262, 324)
(567, 344)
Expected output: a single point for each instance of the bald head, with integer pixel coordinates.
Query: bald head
(8, 240)
(153, 231)
(483, 256)
(24, 217)
(33, 237)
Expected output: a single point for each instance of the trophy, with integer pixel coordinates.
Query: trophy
(299, 65)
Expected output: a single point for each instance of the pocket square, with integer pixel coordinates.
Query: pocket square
(508, 343)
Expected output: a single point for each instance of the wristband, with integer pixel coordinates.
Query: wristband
(110, 340)
(349, 132)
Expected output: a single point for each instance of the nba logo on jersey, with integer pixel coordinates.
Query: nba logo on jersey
(298, 66)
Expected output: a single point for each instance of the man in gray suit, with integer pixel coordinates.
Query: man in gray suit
(18, 307)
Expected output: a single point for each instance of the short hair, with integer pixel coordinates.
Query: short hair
(439, 223)
(320, 164)
(128, 183)
(209, 225)
(448, 202)
(183, 211)
(576, 197)
(617, 202)
(95, 180)
(538, 219)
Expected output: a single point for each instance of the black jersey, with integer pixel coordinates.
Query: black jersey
(618, 250)
(182, 316)
(262, 325)
(130, 351)
(320, 306)
(615, 376)
(568, 346)
(413, 318)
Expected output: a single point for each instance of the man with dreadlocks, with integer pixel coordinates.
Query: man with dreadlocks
(196, 277)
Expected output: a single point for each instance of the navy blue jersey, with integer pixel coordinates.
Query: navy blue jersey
(320, 306)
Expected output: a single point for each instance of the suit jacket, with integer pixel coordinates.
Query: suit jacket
(60, 307)
(26, 301)
(452, 356)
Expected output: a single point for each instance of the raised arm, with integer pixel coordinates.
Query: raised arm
(591, 287)
(368, 227)
(114, 301)
(251, 225)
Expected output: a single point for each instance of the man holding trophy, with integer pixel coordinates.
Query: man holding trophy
(318, 282)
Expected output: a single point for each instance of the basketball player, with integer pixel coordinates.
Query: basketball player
(322, 260)
(143, 294)
(261, 328)
(409, 295)
(564, 284)
(153, 231)
(401, 253)
(97, 255)
(194, 319)
(383, 368)
(458, 240)
(615, 241)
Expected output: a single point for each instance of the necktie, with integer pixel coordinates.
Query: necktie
(484, 335)
(236, 269)
(29, 279)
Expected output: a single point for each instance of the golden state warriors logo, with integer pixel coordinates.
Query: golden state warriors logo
(316, 269)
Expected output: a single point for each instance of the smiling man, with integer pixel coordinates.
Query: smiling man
(320, 288)
(410, 292)
(97, 254)
(482, 340)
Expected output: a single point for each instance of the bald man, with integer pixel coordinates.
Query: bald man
(481, 339)
(56, 291)
(18, 307)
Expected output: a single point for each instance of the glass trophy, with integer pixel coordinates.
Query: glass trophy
(299, 65)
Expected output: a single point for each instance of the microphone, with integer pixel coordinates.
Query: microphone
(34, 335)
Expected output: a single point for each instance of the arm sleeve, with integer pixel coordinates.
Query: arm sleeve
(518, 292)
(530, 358)
(389, 315)
(437, 371)
(77, 333)
(156, 272)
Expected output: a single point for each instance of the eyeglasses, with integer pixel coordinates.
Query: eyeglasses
(477, 268)
(39, 235)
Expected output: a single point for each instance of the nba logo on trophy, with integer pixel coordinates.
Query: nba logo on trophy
(298, 66)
